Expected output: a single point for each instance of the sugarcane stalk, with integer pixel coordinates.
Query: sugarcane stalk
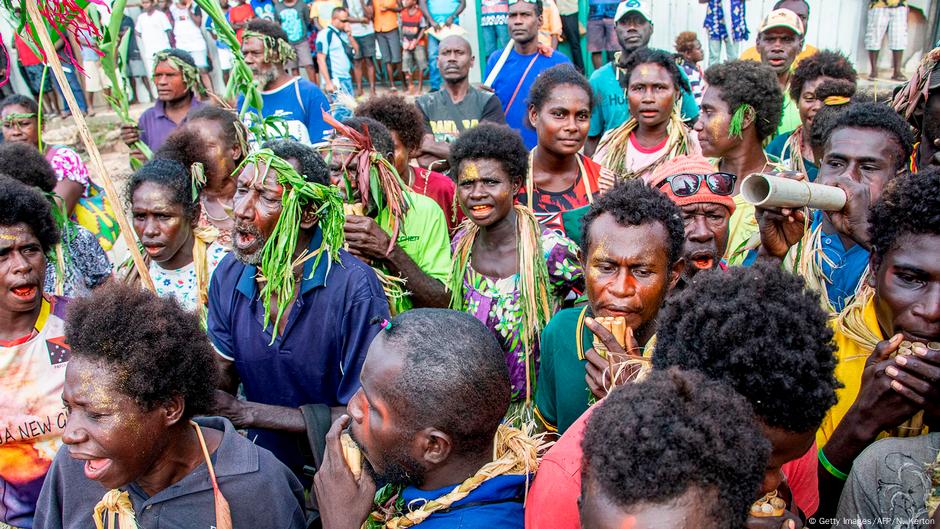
(113, 197)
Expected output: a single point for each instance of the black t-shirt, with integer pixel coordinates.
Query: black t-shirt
(447, 120)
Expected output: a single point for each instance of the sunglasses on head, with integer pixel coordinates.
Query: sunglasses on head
(688, 184)
(511, 2)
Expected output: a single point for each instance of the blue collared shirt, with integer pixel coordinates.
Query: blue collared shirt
(849, 265)
(318, 358)
(497, 502)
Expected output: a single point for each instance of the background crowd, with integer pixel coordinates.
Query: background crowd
(545, 300)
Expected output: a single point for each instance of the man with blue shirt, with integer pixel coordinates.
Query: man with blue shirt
(866, 146)
(427, 420)
(299, 102)
(313, 352)
(634, 27)
(511, 73)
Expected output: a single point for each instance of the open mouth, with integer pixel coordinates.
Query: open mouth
(243, 238)
(26, 292)
(481, 211)
(95, 468)
(702, 261)
(153, 249)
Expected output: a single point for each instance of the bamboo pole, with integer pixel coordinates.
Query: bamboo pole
(113, 197)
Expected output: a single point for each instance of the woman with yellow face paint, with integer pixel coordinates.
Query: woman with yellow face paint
(509, 272)
(655, 132)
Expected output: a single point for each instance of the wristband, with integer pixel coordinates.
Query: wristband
(836, 473)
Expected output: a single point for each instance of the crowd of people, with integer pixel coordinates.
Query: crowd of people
(542, 301)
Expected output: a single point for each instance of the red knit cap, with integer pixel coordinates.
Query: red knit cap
(694, 164)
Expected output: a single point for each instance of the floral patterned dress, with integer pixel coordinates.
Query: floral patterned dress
(495, 302)
(181, 283)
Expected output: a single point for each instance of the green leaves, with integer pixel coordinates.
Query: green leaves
(277, 257)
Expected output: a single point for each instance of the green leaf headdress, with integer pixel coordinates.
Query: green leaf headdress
(277, 257)
(377, 180)
(190, 73)
(275, 50)
(736, 127)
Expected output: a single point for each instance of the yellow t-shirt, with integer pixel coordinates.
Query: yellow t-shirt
(850, 363)
(743, 232)
(751, 54)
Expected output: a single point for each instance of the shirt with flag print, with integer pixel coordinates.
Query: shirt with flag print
(32, 417)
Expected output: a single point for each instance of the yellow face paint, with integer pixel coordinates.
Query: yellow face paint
(601, 254)
(714, 127)
(7, 237)
(470, 172)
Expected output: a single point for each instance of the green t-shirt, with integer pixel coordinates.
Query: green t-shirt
(424, 237)
(610, 102)
(562, 394)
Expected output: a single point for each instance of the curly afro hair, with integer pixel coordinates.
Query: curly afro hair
(155, 348)
(267, 28)
(28, 165)
(398, 116)
(877, 116)
(26, 102)
(910, 204)
(488, 141)
(456, 381)
(676, 432)
(170, 174)
(752, 83)
(312, 166)
(633, 203)
(825, 63)
(760, 330)
(20, 203)
(658, 57)
(685, 41)
(381, 137)
(558, 75)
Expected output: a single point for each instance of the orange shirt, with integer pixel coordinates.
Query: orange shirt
(385, 19)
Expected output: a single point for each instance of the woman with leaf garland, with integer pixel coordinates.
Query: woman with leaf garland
(84, 201)
(741, 108)
(509, 272)
(559, 177)
(77, 264)
(402, 234)
(164, 214)
(655, 132)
